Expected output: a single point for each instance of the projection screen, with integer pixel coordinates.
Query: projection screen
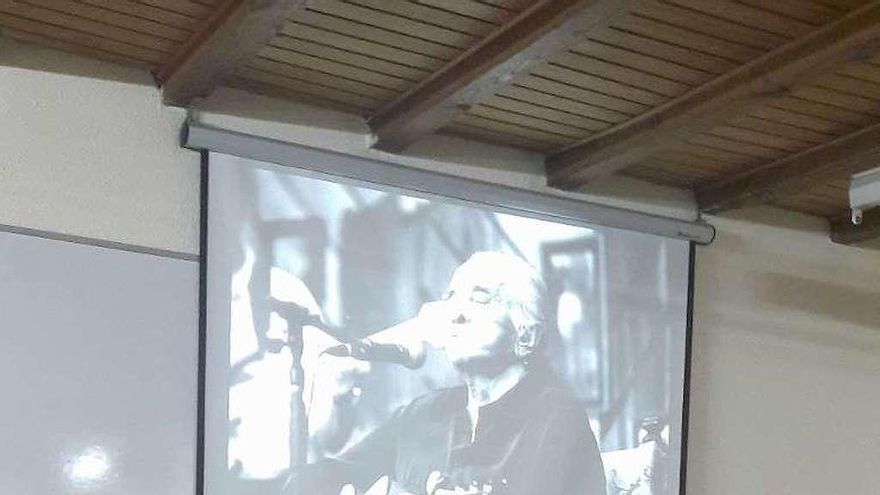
(362, 339)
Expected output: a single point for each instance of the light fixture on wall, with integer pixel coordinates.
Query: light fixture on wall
(864, 193)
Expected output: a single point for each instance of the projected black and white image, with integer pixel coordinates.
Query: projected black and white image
(361, 341)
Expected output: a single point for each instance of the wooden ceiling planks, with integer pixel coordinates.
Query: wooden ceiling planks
(813, 13)
(471, 128)
(542, 139)
(125, 32)
(454, 38)
(670, 172)
(364, 97)
(270, 84)
(654, 54)
(565, 132)
(538, 32)
(843, 109)
(331, 54)
(191, 8)
(723, 98)
(376, 50)
(144, 32)
(138, 10)
(394, 84)
(793, 174)
(822, 200)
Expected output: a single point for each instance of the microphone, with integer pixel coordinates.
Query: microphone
(405, 343)
(410, 355)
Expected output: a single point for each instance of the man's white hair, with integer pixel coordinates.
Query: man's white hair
(520, 287)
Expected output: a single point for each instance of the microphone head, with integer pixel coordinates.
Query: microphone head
(339, 350)
(409, 354)
(405, 352)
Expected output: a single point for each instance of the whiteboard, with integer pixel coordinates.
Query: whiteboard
(98, 367)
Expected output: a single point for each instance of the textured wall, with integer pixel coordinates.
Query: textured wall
(786, 366)
(94, 158)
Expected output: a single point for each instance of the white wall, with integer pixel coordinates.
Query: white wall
(786, 363)
(787, 344)
(93, 158)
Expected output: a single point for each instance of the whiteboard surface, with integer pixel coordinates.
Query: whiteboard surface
(98, 366)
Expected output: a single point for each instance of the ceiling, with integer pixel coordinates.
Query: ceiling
(741, 101)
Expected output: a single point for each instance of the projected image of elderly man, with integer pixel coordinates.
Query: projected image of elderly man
(511, 429)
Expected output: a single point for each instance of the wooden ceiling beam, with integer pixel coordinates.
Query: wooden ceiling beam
(547, 27)
(842, 157)
(844, 232)
(234, 34)
(717, 101)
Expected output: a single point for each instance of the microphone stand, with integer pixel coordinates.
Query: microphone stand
(299, 426)
(297, 317)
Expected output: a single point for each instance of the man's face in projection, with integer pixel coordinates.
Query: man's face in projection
(479, 331)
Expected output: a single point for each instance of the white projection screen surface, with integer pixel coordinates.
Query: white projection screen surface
(362, 341)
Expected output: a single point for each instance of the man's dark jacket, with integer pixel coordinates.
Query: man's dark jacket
(535, 440)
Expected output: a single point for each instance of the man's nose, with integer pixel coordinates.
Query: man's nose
(459, 319)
